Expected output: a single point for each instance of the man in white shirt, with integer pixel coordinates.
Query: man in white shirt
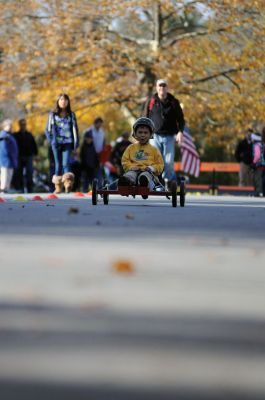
(98, 134)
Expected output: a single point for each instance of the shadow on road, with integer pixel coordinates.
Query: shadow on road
(31, 391)
(33, 331)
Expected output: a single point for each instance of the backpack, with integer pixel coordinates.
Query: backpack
(154, 100)
(258, 155)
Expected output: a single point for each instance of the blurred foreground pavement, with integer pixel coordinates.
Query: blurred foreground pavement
(186, 321)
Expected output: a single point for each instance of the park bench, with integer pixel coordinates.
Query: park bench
(213, 187)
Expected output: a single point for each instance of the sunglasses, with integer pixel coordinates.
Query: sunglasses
(162, 85)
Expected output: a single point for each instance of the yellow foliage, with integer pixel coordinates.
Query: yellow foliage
(107, 55)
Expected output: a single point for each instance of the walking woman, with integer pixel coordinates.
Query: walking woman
(62, 135)
(8, 155)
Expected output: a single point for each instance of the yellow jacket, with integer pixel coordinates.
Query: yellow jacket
(142, 156)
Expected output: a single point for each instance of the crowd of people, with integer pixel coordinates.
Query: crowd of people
(70, 168)
(74, 167)
(16, 156)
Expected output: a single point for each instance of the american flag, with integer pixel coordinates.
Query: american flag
(190, 159)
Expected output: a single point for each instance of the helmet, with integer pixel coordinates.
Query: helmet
(143, 121)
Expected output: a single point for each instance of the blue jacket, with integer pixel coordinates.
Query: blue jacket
(8, 150)
(50, 130)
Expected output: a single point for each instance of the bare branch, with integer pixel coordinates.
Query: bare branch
(178, 28)
(38, 16)
(190, 35)
(166, 17)
(129, 38)
(232, 81)
(217, 75)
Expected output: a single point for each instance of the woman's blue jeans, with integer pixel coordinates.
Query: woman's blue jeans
(62, 155)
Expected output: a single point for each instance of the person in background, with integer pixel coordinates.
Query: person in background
(27, 149)
(256, 168)
(75, 166)
(117, 152)
(89, 161)
(263, 172)
(51, 169)
(62, 135)
(98, 135)
(243, 155)
(167, 115)
(8, 155)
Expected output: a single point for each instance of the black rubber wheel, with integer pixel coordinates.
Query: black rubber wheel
(182, 194)
(95, 192)
(173, 188)
(106, 199)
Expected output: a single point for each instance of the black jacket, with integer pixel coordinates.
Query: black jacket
(26, 143)
(243, 152)
(89, 156)
(167, 115)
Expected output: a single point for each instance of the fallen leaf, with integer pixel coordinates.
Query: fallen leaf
(123, 266)
(73, 210)
(129, 216)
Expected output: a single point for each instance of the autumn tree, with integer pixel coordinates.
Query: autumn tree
(107, 54)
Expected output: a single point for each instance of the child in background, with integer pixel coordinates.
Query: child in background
(141, 161)
(119, 148)
(89, 160)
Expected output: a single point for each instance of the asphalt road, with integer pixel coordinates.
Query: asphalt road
(134, 300)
